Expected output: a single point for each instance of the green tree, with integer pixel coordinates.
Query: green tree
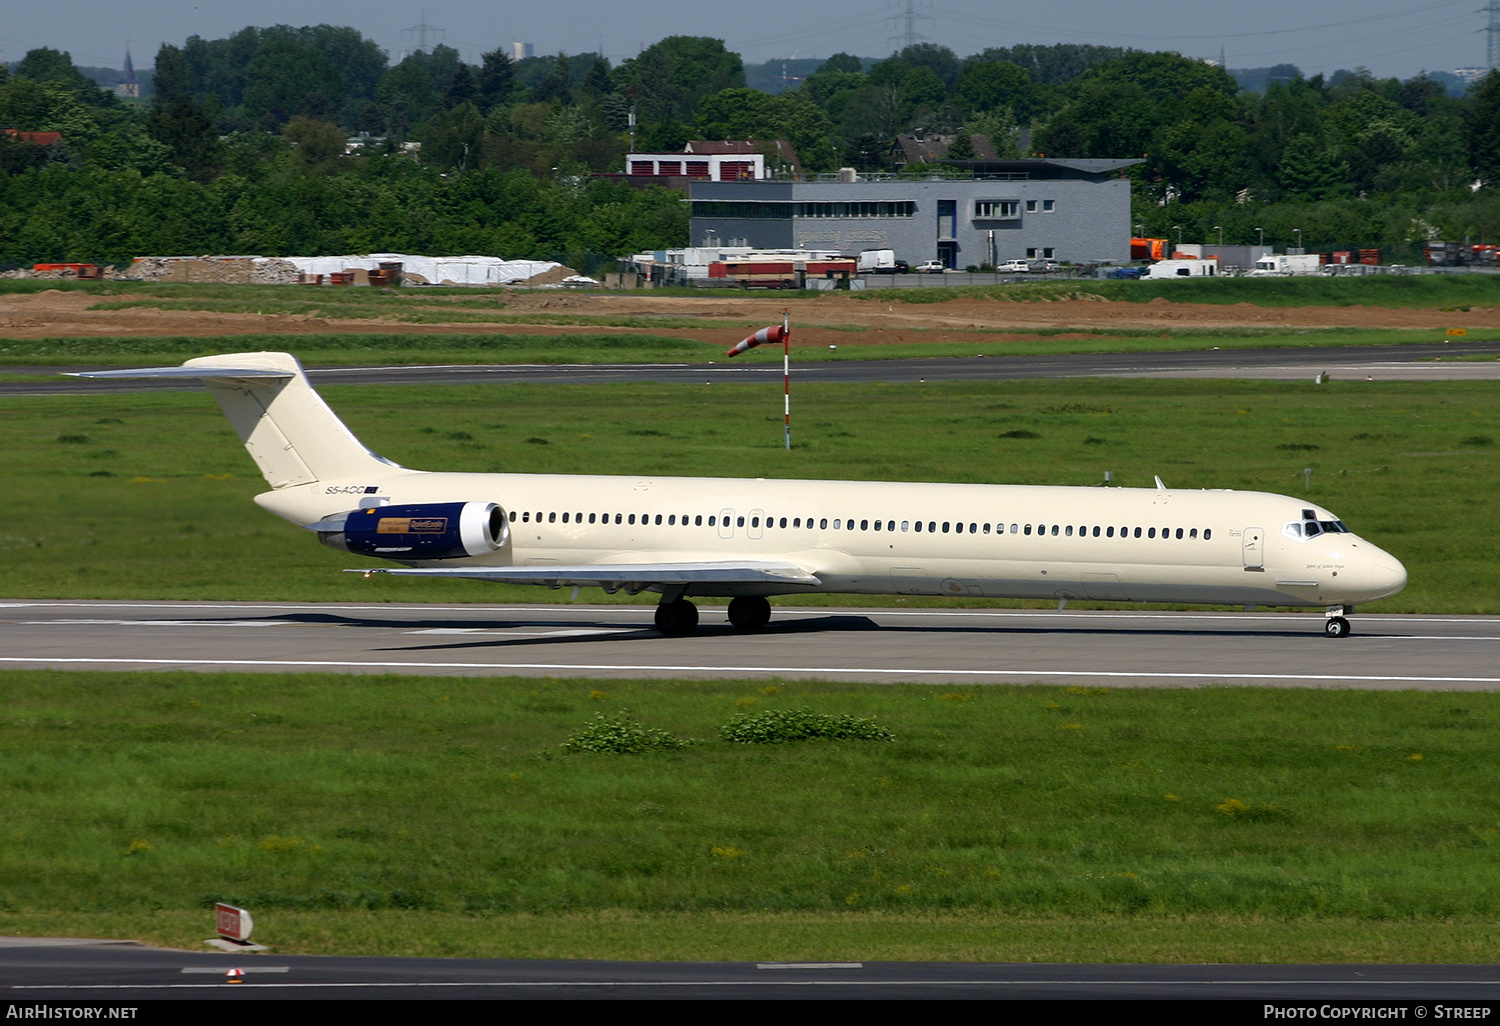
(670, 77)
(987, 85)
(317, 142)
(1482, 133)
(555, 87)
(497, 78)
(283, 76)
(1312, 171)
(179, 123)
(48, 65)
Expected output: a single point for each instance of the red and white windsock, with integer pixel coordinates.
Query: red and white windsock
(775, 333)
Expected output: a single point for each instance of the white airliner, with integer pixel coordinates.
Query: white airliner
(747, 539)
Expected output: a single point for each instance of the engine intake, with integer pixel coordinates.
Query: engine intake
(434, 530)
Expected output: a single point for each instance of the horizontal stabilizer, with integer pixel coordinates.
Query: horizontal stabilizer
(632, 577)
(287, 428)
(190, 373)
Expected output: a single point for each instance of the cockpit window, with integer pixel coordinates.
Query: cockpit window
(1311, 528)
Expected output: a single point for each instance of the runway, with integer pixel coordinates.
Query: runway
(123, 973)
(937, 646)
(1410, 362)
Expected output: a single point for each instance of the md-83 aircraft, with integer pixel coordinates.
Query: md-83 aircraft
(744, 540)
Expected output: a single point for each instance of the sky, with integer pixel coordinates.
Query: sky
(1389, 37)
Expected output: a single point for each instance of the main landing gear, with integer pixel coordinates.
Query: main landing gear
(677, 616)
(1336, 626)
(749, 613)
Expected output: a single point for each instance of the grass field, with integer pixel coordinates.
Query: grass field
(435, 816)
(440, 816)
(148, 496)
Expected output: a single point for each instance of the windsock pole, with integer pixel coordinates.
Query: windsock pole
(786, 371)
(770, 334)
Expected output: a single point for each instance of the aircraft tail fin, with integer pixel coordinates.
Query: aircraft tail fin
(286, 426)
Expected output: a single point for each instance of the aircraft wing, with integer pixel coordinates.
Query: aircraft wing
(633, 577)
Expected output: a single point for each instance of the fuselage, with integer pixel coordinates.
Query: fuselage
(1011, 541)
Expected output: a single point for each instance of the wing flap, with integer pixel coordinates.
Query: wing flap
(632, 577)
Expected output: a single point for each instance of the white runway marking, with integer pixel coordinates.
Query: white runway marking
(878, 671)
(158, 623)
(581, 632)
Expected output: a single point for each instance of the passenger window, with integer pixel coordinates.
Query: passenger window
(619, 518)
(877, 525)
(1109, 532)
(526, 517)
(836, 524)
(671, 519)
(711, 521)
(1096, 532)
(823, 524)
(1137, 532)
(1193, 533)
(1151, 532)
(739, 522)
(864, 525)
(1054, 530)
(1028, 528)
(932, 527)
(1013, 529)
(1207, 533)
(783, 522)
(1069, 531)
(906, 526)
(632, 518)
(754, 521)
(1179, 532)
(986, 528)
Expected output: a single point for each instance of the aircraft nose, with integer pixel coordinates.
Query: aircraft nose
(1387, 575)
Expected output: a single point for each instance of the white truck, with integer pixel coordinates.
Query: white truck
(1281, 265)
(880, 261)
(1207, 267)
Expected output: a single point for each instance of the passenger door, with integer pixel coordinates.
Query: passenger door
(1253, 544)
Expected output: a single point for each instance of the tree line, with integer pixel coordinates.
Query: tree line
(244, 145)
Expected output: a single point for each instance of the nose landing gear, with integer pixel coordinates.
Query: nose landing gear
(1336, 626)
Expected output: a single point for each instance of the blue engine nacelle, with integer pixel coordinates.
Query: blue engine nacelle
(432, 530)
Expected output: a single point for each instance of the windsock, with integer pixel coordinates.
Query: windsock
(776, 333)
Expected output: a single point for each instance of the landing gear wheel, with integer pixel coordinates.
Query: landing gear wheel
(1336, 627)
(749, 613)
(677, 618)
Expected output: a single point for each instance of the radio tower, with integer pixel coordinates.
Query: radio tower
(909, 18)
(1492, 34)
(421, 34)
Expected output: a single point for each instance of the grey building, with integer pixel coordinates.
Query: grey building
(1071, 210)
